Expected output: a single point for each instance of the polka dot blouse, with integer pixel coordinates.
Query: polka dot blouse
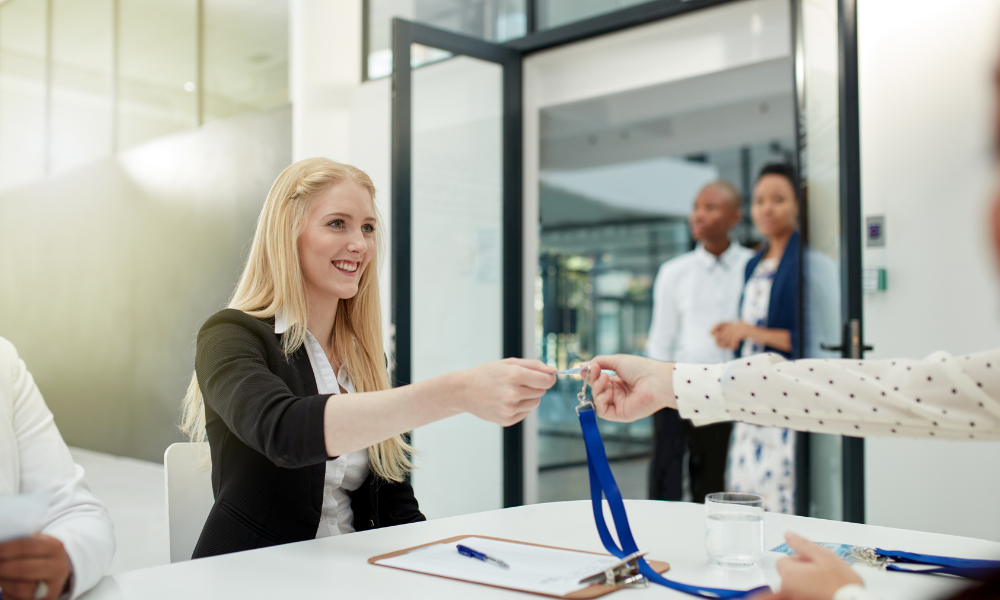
(940, 396)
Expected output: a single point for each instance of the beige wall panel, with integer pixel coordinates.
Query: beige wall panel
(107, 272)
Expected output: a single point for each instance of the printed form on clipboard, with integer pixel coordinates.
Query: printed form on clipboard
(534, 569)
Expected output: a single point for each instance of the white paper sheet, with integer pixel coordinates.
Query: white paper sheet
(21, 516)
(532, 569)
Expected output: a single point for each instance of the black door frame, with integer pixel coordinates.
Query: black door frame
(852, 345)
(406, 33)
(510, 55)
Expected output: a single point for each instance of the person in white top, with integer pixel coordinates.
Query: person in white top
(346, 473)
(76, 542)
(692, 294)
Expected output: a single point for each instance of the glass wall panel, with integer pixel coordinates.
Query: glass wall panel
(456, 273)
(245, 57)
(553, 13)
(107, 271)
(157, 69)
(82, 57)
(491, 20)
(22, 92)
(618, 177)
(817, 74)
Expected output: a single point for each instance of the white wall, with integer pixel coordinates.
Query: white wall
(925, 74)
(325, 69)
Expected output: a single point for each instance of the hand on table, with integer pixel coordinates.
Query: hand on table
(642, 386)
(813, 573)
(730, 335)
(27, 561)
(504, 391)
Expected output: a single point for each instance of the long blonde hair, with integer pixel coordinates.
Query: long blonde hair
(272, 280)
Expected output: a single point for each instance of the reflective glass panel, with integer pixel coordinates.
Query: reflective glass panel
(245, 57)
(817, 74)
(82, 87)
(553, 13)
(618, 177)
(491, 20)
(456, 272)
(157, 69)
(22, 92)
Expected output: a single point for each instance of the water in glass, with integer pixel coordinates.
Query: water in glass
(734, 534)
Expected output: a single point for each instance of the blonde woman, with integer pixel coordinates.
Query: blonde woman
(291, 385)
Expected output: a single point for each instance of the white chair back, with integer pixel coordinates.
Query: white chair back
(189, 496)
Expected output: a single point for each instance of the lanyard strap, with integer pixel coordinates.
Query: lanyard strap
(970, 568)
(602, 481)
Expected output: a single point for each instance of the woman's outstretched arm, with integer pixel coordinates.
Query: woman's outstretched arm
(940, 396)
(502, 392)
(240, 387)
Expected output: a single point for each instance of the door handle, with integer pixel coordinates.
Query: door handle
(852, 338)
(865, 348)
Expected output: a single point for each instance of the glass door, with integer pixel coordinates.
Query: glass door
(622, 132)
(827, 107)
(456, 248)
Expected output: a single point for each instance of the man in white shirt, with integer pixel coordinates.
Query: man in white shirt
(692, 294)
(76, 542)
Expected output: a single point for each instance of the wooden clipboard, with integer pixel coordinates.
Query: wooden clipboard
(593, 591)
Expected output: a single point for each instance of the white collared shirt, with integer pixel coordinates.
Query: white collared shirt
(34, 459)
(692, 294)
(345, 473)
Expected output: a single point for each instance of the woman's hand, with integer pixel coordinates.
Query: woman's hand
(503, 391)
(813, 573)
(27, 561)
(642, 387)
(730, 335)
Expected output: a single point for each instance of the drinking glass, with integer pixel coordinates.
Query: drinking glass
(734, 534)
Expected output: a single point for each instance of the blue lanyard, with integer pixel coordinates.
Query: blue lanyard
(602, 481)
(970, 568)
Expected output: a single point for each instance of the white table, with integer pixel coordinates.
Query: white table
(670, 531)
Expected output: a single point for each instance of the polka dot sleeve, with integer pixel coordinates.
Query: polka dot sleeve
(699, 393)
(940, 396)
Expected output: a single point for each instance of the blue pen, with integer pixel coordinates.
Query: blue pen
(466, 551)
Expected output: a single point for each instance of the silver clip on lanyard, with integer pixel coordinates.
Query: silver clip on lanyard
(581, 397)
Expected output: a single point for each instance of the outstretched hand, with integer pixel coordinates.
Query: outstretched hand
(504, 391)
(642, 386)
(812, 573)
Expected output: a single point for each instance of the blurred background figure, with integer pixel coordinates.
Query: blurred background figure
(693, 293)
(762, 459)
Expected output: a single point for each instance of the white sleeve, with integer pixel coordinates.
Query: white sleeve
(853, 592)
(75, 517)
(663, 329)
(940, 396)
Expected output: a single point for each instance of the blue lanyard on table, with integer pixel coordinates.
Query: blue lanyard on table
(602, 481)
(970, 568)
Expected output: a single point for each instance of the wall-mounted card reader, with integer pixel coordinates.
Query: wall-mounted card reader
(875, 231)
(872, 280)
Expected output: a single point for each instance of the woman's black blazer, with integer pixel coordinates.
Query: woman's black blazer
(265, 428)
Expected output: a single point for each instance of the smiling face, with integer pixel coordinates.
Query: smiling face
(337, 241)
(774, 210)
